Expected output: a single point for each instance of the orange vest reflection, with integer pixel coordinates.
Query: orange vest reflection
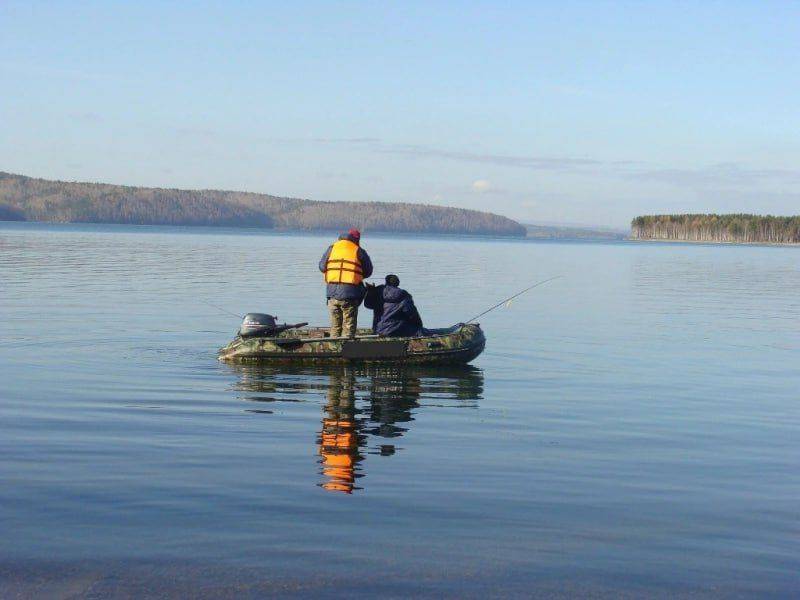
(339, 438)
(339, 451)
(389, 402)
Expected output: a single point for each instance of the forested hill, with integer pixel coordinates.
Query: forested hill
(28, 199)
(738, 228)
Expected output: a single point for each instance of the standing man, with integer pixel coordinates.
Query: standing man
(345, 266)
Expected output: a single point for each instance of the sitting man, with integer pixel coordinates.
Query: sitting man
(394, 312)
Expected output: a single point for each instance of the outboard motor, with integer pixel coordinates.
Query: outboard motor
(258, 324)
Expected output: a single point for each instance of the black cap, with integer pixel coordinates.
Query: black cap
(392, 280)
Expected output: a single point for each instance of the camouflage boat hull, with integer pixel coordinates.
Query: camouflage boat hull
(454, 345)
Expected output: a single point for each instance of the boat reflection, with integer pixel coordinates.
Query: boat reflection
(365, 409)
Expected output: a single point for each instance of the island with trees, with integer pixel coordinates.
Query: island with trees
(29, 199)
(733, 228)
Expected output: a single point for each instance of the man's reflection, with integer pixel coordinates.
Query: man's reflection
(340, 439)
(391, 401)
(366, 409)
(390, 397)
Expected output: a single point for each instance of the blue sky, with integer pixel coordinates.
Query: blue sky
(579, 112)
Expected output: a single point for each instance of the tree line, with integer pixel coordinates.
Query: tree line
(29, 199)
(740, 228)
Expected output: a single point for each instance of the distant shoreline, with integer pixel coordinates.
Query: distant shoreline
(233, 230)
(25, 198)
(712, 242)
(729, 228)
(253, 230)
(375, 232)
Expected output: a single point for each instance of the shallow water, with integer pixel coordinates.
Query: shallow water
(632, 428)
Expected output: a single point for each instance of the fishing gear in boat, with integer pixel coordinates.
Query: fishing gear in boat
(260, 339)
(509, 299)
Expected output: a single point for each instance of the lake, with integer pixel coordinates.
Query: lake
(632, 429)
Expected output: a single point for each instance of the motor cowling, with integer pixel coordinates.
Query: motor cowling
(258, 324)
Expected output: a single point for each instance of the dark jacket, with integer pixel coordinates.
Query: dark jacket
(347, 291)
(394, 312)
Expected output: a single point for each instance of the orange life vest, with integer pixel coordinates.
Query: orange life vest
(343, 265)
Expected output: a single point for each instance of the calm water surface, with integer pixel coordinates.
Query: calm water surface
(632, 428)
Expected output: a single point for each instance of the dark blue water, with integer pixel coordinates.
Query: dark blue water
(632, 428)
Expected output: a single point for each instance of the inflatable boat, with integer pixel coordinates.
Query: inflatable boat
(261, 340)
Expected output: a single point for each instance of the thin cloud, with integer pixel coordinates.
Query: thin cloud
(375, 144)
(208, 133)
(739, 200)
(88, 117)
(721, 174)
(505, 160)
(197, 132)
(346, 140)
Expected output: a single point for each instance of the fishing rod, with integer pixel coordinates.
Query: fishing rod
(502, 302)
(222, 309)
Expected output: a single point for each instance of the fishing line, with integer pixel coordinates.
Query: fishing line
(222, 309)
(509, 299)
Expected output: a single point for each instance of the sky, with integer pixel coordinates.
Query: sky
(547, 112)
